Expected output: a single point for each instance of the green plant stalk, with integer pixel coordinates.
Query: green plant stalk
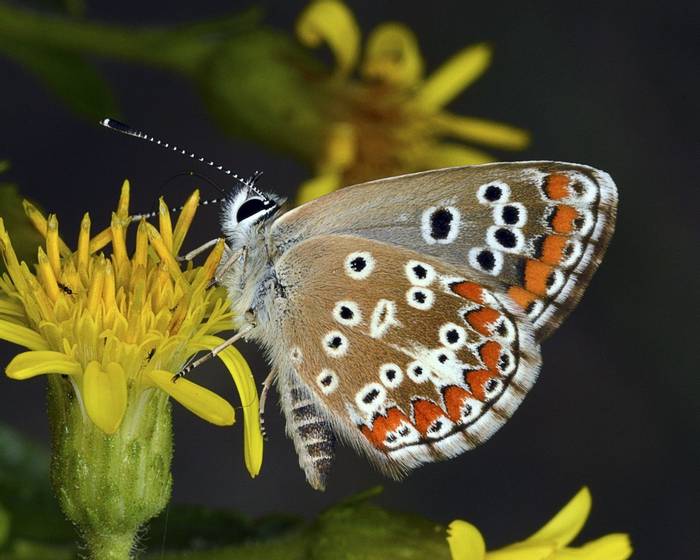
(257, 81)
(110, 485)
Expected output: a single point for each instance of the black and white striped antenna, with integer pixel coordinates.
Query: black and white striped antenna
(175, 209)
(129, 131)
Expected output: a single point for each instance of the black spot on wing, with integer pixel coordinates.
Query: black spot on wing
(440, 223)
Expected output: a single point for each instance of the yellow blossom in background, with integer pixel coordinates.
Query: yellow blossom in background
(549, 543)
(121, 325)
(392, 120)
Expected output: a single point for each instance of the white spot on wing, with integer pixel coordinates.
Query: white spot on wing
(452, 336)
(359, 265)
(500, 211)
(391, 375)
(383, 318)
(327, 381)
(420, 298)
(295, 355)
(347, 313)
(419, 273)
(484, 192)
(427, 223)
(557, 281)
(475, 253)
(418, 372)
(335, 344)
(502, 238)
(370, 398)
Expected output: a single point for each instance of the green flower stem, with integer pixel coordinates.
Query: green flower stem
(164, 46)
(258, 82)
(110, 485)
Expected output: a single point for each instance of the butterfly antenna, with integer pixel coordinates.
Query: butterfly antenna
(129, 131)
(153, 214)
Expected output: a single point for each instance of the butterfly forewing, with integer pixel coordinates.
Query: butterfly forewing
(411, 360)
(535, 231)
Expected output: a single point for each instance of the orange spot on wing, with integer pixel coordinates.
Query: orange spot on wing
(454, 399)
(521, 296)
(476, 380)
(557, 186)
(482, 318)
(490, 352)
(425, 413)
(563, 220)
(469, 290)
(536, 274)
(382, 425)
(553, 249)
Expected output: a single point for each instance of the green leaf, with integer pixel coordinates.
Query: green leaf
(362, 531)
(68, 76)
(4, 525)
(25, 238)
(192, 527)
(25, 491)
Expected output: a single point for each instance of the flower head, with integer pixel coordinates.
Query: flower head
(549, 543)
(120, 325)
(392, 120)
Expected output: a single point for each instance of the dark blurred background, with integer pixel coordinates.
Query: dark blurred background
(613, 85)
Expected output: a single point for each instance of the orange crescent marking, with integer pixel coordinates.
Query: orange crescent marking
(425, 414)
(553, 249)
(521, 296)
(476, 380)
(454, 399)
(482, 318)
(563, 221)
(469, 290)
(557, 186)
(490, 352)
(536, 274)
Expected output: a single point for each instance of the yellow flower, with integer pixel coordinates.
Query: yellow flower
(549, 543)
(119, 326)
(391, 121)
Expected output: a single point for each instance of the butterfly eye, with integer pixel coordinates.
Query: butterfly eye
(253, 207)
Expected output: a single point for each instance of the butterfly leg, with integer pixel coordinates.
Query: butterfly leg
(308, 429)
(263, 399)
(198, 250)
(224, 268)
(213, 353)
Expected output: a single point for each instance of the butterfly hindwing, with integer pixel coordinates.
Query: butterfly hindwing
(409, 359)
(534, 230)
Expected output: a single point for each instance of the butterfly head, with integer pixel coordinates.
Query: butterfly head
(246, 212)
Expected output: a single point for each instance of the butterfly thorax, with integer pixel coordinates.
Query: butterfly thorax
(250, 279)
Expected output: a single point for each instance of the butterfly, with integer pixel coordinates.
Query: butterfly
(404, 316)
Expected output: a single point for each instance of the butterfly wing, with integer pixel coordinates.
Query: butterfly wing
(409, 359)
(534, 230)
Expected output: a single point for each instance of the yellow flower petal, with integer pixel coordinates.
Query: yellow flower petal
(11, 308)
(522, 551)
(39, 362)
(331, 21)
(202, 402)
(392, 55)
(482, 131)
(465, 541)
(248, 393)
(104, 393)
(247, 390)
(451, 155)
(610, 547)
(566, 524)
(318, 186)
(17, 334)
(185, 220)
(453, 76)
